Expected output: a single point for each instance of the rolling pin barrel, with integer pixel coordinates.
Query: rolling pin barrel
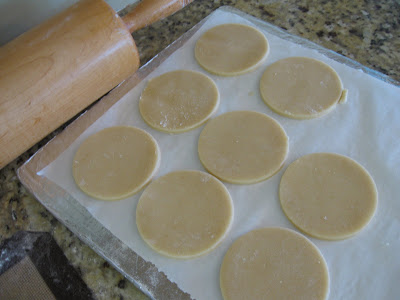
(54, 71)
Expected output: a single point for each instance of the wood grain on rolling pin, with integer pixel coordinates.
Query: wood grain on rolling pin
(52, 72)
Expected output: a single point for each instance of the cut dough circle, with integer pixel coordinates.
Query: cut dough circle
(243, 147)
(178, 101)
(115, 162)
(231, 49)
(184, 214)
(273, 263)
(301, 87)
(328, 196)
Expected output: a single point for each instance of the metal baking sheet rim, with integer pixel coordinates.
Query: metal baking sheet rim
(76, 218)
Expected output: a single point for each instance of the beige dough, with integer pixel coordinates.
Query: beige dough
(327, 195)
(301, 88)
(231, 49)
(273, 263)
(243, 147)
(178, 101)
(115, 163)
(184, 214)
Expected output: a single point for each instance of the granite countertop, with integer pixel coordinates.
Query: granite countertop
(366, 31)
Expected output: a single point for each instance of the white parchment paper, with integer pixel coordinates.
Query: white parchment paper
(365, 128)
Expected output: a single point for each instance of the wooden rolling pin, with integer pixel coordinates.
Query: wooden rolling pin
(52, 72)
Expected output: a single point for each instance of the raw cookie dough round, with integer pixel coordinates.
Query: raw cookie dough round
(273, 263)
(328, 196)
(231, 49)
(301, 87)
(115, 162)
(178, 101)
(184, 214)
(243, 147)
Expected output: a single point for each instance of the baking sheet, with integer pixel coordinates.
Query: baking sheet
(366, 128)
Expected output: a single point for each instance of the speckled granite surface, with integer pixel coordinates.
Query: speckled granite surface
(366, 31)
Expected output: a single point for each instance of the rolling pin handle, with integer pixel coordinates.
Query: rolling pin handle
(150, 11)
